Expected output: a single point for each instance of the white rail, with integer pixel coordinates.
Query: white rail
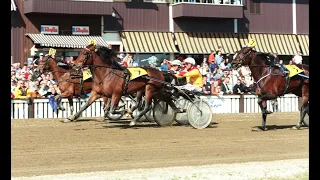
(20, 109)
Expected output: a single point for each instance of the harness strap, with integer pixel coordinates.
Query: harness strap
(127, 79)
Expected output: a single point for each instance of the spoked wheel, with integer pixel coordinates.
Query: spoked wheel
(120, 108)
(163, 114)
(182, 118)
(306, 120)
(199, 114)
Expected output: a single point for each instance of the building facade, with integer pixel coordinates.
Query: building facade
(160, 27)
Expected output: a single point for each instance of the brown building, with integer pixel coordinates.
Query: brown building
(160, 27)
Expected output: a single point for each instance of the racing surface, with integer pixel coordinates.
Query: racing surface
(48, 146)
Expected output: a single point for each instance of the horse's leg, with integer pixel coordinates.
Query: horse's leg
(137, 104)
(93, 96)
(148, 93)
(59, 104)
(70, 99)
(106, 106)
(114, 102)
(303, 110)
(264, 112)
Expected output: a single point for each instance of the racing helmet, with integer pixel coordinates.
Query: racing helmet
(176, 62)
(190, 60)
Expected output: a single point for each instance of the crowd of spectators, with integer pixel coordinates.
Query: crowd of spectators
(25, 86)
(218, 76)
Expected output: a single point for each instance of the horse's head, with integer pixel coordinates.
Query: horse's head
(43, 65)
(85, 56)
(243, 57)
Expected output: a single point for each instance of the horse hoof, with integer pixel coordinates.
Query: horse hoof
(71, 117)
(62, 109)
(66, 121)
(127, 115)
(296, 127)
(263, 128)
(132, 123)
(260, 129)
(268, 112)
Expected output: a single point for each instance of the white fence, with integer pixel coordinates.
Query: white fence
(40, 108)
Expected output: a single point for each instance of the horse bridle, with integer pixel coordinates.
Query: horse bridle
(241, 59)
(44, 65)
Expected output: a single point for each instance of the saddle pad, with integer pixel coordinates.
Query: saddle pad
(136, 72)
(293, 70)
(86, 74)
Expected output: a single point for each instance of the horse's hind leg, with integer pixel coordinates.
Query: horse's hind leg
(137, 104)
(114, 102)
(303, 110)
(143, 112)
(148, 93)
(106, 106)
(264, 112)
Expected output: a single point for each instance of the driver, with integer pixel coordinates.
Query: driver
(176, 66)
(192, 74)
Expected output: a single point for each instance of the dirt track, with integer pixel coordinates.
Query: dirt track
(47, 146)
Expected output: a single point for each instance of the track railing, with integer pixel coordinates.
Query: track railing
(41, 108)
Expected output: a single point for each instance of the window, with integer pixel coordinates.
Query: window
(255, 6)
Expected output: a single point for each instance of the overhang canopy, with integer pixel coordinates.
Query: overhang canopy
(65, 41)
(13, 6)
(148, 42)
(304, 44)
(283, 44)
(204, 42)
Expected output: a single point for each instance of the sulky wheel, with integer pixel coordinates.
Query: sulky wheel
(199, 114)
(306, 120)
(163, 114)
(182, 118)
(120, 108)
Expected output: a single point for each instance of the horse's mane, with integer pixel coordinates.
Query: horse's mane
(109, 56)
(264, 57)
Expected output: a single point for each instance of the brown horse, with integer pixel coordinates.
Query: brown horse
(270, 82)
(69, 85)
(109, 81)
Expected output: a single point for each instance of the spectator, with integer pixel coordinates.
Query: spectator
(43, 90)
(234, 76)
(13, 85)
(225, 86)
(246, 85)
(204, 70)
(164, 65)
(218, 58)
(135, 63)
(206, 88)
(216, 89)
(213, 67)
(222, 64)
(211, 57)
(21, 91)
(239, 88)
(297, 59)
(204, 62)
